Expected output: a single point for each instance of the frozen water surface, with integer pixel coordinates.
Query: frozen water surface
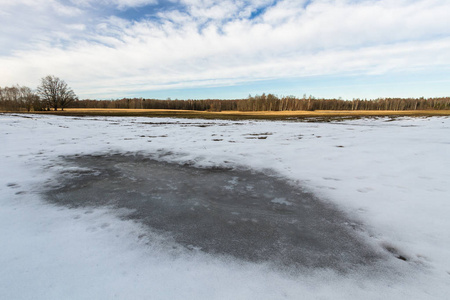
(245, 214)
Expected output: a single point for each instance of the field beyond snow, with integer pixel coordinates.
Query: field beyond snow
(382, 183)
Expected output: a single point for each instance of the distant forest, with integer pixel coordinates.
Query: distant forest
(271, 102)
(17, 98)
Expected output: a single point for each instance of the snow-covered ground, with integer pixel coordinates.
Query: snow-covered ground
(392, 176)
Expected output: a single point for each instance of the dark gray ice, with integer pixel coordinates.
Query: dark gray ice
(245, 214)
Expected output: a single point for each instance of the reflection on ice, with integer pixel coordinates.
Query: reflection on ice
(247, 215)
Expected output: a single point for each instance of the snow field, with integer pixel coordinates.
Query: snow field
(391, 176)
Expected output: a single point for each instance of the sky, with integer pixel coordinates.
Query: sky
(198, 49)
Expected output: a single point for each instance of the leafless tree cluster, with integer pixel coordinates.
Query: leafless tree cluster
(51, 93)
(17, 98)
(272, 103)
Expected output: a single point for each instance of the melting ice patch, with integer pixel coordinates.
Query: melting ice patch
(282, 201)
(196, 208)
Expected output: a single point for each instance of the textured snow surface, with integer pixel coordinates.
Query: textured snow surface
(390, 176)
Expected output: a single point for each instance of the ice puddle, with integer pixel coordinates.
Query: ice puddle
(228, 212)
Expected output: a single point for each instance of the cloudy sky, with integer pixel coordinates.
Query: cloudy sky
(230, 48)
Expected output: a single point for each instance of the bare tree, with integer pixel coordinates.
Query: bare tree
(10, 98)
(55, 92)
(26, 97)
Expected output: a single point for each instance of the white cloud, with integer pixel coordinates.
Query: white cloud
(210, 43)
(41, 6)
(121, 4)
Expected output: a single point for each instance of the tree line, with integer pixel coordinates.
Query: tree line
(53, 93)
(270, 102)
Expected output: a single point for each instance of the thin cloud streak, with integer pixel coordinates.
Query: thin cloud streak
(205, 43)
